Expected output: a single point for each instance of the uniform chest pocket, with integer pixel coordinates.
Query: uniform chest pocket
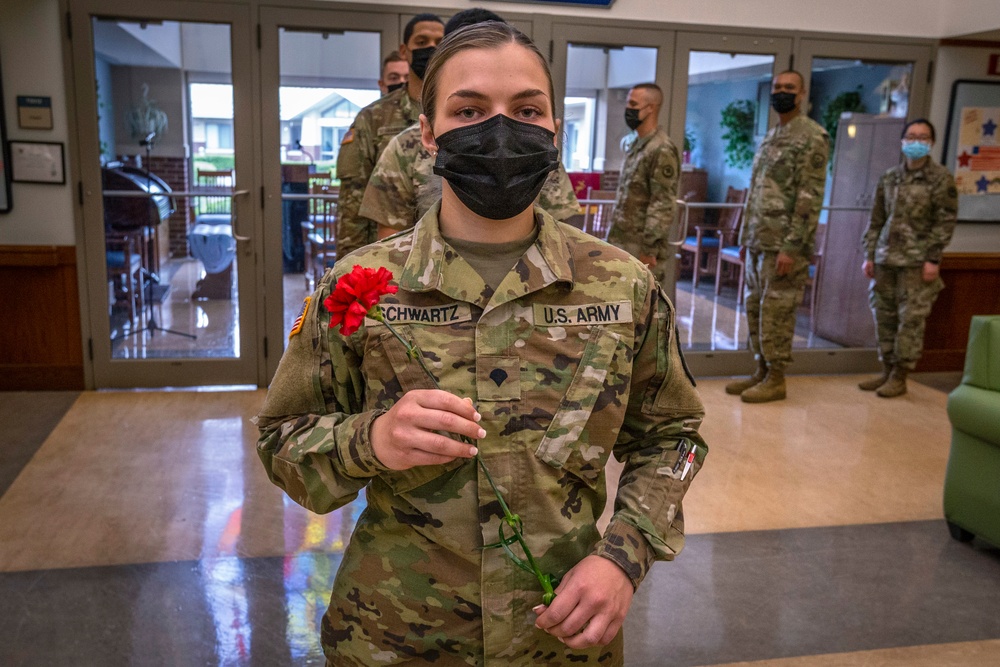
(568, 443)
(390, 373)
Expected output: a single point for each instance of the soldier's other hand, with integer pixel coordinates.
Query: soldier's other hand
(931, 272)
(783, 264)
(590, 606)
(407, 435)
(648, 260)
(869, 269)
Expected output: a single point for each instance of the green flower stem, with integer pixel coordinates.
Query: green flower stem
(509, 518)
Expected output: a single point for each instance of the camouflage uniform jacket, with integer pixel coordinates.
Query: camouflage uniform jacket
(403, 186)
(647, 196)
(913, 216)
(786, 189)
(373, 128)
(573, 358)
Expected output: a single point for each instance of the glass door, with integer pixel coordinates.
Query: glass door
(594, 68)
(319, 69)
(862, 94)
(721, 112)
(164, 104)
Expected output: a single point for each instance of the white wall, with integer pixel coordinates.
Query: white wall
(31, 54)
(911, 18)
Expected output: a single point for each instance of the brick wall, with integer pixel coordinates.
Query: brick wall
(176, 172)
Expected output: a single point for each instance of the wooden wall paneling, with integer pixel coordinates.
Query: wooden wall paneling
(972, 287)
(40, 347)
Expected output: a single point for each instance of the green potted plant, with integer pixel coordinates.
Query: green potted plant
(846, 102)
(145, 118)
(738, 123)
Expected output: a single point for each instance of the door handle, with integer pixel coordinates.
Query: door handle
(232, 209)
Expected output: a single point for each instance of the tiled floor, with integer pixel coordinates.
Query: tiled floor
(138, 528)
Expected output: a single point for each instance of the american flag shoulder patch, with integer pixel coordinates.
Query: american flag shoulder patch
(297, 325)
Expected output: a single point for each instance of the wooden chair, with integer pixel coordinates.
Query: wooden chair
(598, 208)
(812, 283)
(123, 250)
(206, 178)
(728, 233)
(705, 243)
(319, 231)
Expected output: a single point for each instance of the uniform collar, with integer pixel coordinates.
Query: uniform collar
(920, 173)
(435, 265)
(640, 142)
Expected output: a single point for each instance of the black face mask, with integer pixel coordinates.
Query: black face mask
(420, 59)
(632, 118)
(497, 167)
(783, 102)
(394, 86)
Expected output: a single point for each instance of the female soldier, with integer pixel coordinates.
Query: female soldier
(552, 350)
(912, 219)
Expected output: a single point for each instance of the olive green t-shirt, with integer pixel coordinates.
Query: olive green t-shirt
(492, 261)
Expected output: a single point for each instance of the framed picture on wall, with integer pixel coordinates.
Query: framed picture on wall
(971, 149)
(5, 201)
(37, 162)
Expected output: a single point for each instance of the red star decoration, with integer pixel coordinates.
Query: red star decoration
(963, 159)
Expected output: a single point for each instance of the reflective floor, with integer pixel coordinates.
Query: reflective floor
(138, 528)
(187, 326)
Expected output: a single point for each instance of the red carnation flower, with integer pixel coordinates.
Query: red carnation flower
(355, 294)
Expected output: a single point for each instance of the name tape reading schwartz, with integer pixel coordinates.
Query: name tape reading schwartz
(614, 312)
(448, 313)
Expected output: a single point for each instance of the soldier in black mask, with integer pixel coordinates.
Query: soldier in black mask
(395, 71)
(778, 235)
(375, 126)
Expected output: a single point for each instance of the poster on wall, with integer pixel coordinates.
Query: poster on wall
(977, 159)
(971, 148)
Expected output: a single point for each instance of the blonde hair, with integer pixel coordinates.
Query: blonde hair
(486, 35)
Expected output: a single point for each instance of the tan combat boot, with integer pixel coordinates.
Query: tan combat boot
(876, 382)
(895, 385)
(771, 389)
(740, 386)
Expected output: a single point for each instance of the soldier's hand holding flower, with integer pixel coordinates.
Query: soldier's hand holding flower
(590, 605)
(409, 434)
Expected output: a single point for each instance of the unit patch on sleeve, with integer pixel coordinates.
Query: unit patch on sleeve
(446, 313)
(612, 312)
(297, 325)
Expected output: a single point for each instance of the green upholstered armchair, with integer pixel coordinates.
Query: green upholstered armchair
(972, 481)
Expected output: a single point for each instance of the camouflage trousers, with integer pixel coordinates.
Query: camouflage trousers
(771, 302)
(901, 301)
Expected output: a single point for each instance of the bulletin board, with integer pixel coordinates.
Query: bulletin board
(971, 149)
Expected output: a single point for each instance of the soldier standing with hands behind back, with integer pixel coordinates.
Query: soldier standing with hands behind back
(647, 190)
(776, 242)
(912, 220)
